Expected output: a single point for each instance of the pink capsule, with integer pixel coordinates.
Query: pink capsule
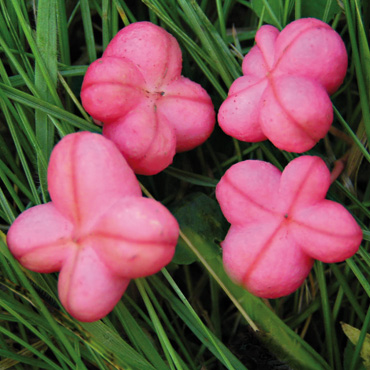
(148, 109)
(98, 230)
(280, 223)
(284, 93)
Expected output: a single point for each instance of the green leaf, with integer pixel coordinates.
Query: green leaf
(47, 44)
(88, 29)
(348, 355)
(185, 311)
(353, 335)
(112, 347)
(321, 9)
(200, 218)
(275, 334)
(270, 10)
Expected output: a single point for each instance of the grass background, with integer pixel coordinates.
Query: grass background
(190, 315)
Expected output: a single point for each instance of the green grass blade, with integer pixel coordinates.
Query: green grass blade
(88, 29)
(189, 316)
(170, 353)
(348, 291)
(46, 32)
(29, 347)
(328, 320)
(108, 344)
(48, 108)
(40, 305)
(261, 318)
(360, 342)
(364, 97)
(62, 26)
(138, 337)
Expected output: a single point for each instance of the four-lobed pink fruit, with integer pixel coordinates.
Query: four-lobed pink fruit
(283, 95)
(280, 223)
(98, 230)
(147, 108)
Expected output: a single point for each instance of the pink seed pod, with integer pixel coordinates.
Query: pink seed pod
(280, 223)
(284, 93)
(147, 108)
(98, 230)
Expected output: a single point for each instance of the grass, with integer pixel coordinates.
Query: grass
(190, 315)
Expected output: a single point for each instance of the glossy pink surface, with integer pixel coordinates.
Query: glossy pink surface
(280, 223)
(148, 109)
(98, 230)
(284, 93)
